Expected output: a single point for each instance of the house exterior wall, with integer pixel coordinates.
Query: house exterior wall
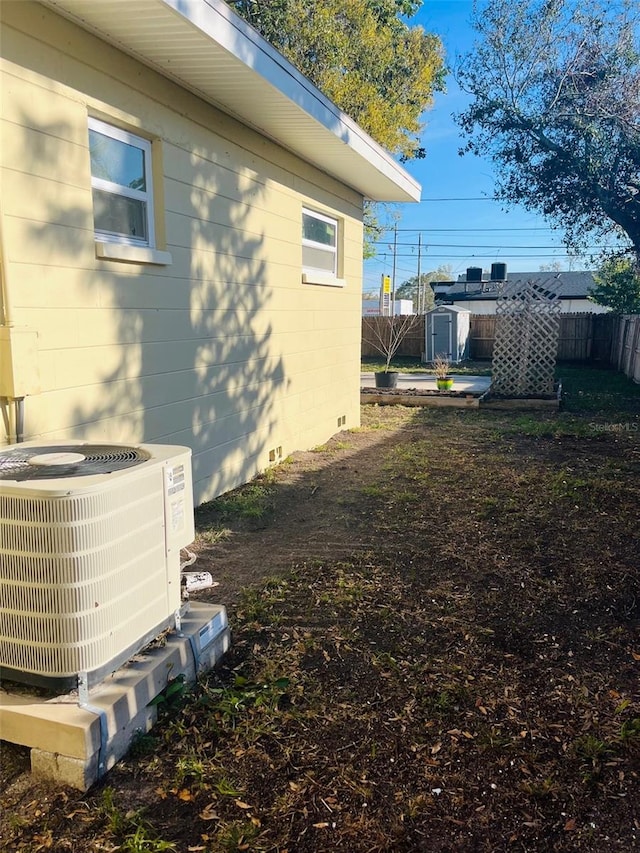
(224, 349)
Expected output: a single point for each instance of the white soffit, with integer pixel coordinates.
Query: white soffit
(206, 48)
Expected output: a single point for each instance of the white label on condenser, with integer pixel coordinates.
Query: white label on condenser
(177, 516)
(175, 479)
(175, 485)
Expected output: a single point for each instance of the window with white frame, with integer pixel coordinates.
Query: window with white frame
(319, 242)
(121, 181)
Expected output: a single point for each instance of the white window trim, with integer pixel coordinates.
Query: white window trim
(117, 189)
(325, 278)
(132, 254)
(311, 275)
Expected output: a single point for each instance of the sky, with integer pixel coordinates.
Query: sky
(467, 229)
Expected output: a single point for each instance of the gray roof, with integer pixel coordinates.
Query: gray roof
(568, 285)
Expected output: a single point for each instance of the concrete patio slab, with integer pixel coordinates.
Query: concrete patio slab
(427, 382)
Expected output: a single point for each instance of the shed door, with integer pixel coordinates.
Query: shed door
(441, 335)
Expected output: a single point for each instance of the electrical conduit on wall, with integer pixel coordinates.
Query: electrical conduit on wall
(15, 345)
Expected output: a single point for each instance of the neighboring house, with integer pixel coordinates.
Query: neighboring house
(401, 307)
(479, 291)
(181, 236)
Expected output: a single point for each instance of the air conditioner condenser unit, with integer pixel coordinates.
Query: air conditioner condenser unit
(90, 539)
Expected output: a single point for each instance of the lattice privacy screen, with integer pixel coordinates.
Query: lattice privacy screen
(526, 339)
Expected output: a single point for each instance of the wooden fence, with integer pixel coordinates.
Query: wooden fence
(481, 335)
(411, 345)
(626, 350)
(582, 337)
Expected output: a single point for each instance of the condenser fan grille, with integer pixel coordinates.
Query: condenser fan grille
(50, 462)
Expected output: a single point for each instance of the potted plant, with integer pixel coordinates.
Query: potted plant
(441, 365)
(385, 334)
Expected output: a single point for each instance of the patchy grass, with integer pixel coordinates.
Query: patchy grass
(447, 659)
(411, 364)
(600, 392)
(250, 503)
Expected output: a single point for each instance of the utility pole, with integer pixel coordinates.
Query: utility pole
(420, 306)
(393, 271)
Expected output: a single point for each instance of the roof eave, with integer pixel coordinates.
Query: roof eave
(209, 50)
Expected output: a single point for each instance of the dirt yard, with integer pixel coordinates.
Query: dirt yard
(435, 648)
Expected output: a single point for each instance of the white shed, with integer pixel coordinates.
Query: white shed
(446, 330)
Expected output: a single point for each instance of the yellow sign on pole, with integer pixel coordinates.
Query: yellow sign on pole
(386, 284)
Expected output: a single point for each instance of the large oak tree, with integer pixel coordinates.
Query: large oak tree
(555, 88)
(617, 286)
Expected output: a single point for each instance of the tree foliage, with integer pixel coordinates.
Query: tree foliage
(363, 56)
(617, 286)
(409, 288)
(556, 103)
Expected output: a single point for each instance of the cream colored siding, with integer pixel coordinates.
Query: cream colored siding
(225, 349)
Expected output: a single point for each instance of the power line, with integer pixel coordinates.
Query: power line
(471, 198)
(472, 255)
(489, 252)
(475, 230)
(499, 248)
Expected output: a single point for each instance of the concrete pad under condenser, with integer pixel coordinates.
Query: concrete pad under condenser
(76, 744)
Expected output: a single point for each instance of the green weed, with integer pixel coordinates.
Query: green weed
(385, 661)
(142, 743)
(116, 820)
(401, 498)
(256, 604)
(213, 535)
(592, 752)
(630, 733)
(252, 501)
(544, 788)
(171, 696)
(230, 703)
(190, 768)
(137, 834)
(373, 491)
(237, 836)
(141, 841)
(226, 788)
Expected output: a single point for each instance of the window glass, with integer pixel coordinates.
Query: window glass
(120, 216)
(316, 259)
(319, 242)
(319, 230)
(121, 183)
(117, 162)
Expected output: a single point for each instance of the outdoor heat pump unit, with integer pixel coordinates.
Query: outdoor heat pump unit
(90, 539)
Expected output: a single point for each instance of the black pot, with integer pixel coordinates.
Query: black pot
(387, 379)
